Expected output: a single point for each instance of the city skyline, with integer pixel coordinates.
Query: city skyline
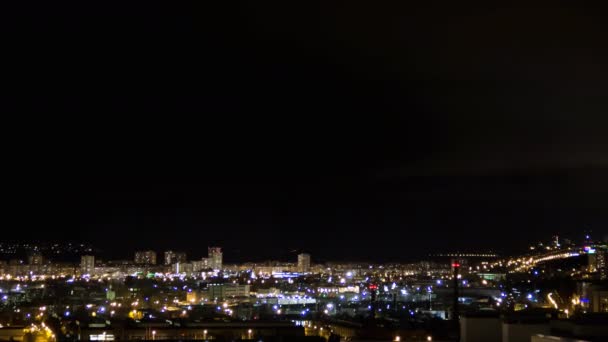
(71, 251)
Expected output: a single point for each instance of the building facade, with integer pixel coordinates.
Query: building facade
(145, 257)
(199, 265)
(215, 257)
(304, 263)
(87, 264)
(221, 291)
(601, 259)
(172, 257)
(35, 259)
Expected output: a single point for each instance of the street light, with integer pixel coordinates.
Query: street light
(153, 334)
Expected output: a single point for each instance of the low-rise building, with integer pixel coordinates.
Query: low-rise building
(221, 291)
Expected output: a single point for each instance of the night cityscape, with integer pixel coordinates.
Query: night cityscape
(169, 296)
(341, 171)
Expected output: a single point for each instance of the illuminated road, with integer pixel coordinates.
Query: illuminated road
(526, 263)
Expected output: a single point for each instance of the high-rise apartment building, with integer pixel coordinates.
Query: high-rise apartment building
(35, 259)
(172, 257)
(215, 257)
(601, 261)
(303, 263)
(87, 264)
(145, 257)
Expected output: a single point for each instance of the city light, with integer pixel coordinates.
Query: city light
(407, 292)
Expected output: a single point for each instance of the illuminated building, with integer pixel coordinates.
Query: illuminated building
(36, 259)
(228, 290)
(169, 257)
(185, 267)
(304, 263)
(172, 257)
(199, 265)
(215, 257)
(87, 264)
(601, 259)
(145, 257)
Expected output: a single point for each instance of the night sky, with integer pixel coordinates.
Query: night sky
(354, 131)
